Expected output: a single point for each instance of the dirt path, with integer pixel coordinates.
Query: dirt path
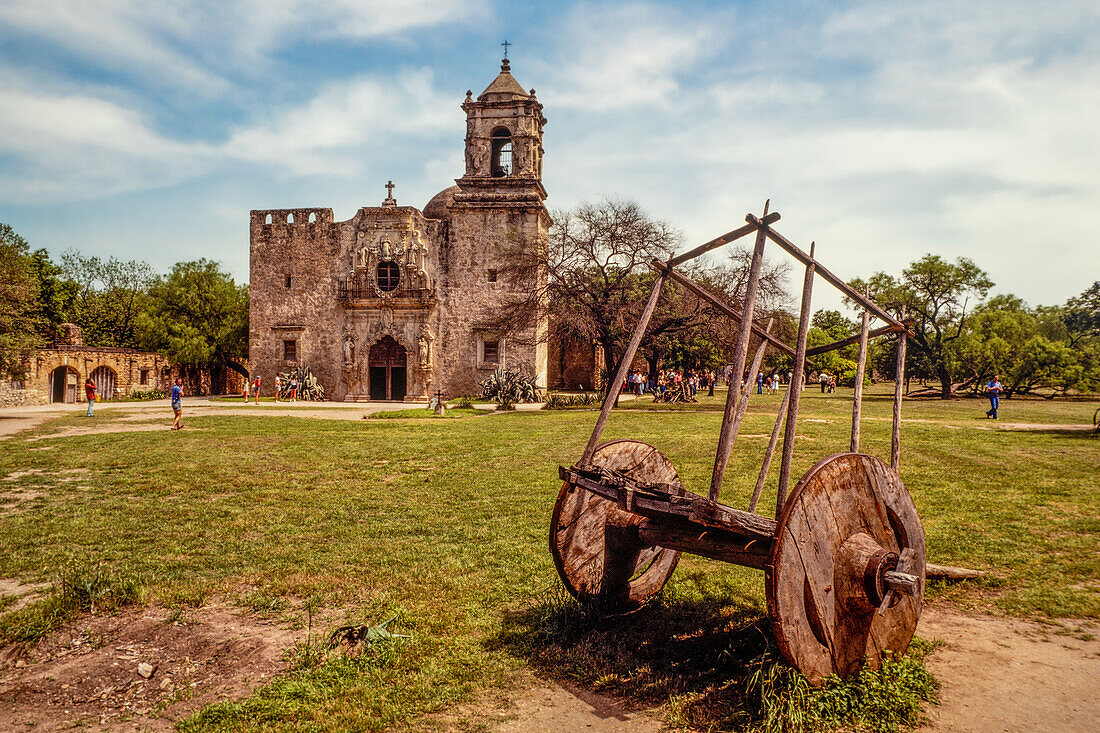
(996, 674)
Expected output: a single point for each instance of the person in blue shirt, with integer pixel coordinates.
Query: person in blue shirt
(177, 403)
(993, 389)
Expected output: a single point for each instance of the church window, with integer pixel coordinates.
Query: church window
(268, 219)
(313, 218)
(145, 376)
(388, 276)
(290, 218)
(502, 153)
(492, 277)
(290, 350)
(287, 281)
(491, 351)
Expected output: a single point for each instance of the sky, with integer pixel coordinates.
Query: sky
(881, 130)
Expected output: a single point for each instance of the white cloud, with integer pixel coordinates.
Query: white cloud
(75, 145)
(199, 46)
(628, 56)
(367, 111)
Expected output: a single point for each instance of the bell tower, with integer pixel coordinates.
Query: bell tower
(503, 145)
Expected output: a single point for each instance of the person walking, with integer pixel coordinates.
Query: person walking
(177, 404)
(89, 393)
(993, 389)
(256, 388)
(760, 383)
(245, 391)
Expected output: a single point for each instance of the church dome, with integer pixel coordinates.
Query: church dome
(437, 207)
(504, 88)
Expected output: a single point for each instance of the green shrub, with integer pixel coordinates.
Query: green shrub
(507, 388)
(558, 401)
(141, 395)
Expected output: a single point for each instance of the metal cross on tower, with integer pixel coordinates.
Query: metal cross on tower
(506, 45)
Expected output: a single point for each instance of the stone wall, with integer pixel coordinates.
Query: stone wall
(129, 369)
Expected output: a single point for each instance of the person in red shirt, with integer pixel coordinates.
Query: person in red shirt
(89, 392)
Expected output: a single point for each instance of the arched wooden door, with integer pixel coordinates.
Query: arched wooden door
(387, 362)
(104, 379)
(63, 385)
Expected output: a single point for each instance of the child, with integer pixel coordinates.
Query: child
(278, 385)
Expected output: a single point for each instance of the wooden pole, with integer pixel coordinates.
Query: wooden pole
(725, 437)
(793, 250)
(899, 382)
(724, 239)
(861, 367)
(824, 348)
(771, 449)
(799, 367)
(717, 303)
(743, 401)
(620, 373)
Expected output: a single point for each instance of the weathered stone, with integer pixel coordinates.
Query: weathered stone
(395, 302)
(146, 670)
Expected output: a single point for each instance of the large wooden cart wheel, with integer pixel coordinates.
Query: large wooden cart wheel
(848, 522)
(595, 543)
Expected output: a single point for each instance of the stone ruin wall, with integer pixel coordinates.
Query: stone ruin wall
(82, 361)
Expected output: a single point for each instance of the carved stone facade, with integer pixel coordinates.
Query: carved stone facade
(394, 303)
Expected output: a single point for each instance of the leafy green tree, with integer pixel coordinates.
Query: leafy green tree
(197, 315)
(936, 294)
(55, 294)
(19, 321)
(108, 295)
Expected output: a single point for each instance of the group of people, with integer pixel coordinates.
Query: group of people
(253, 387)
(639, 382)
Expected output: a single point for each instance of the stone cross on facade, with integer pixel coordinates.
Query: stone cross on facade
(390, 200)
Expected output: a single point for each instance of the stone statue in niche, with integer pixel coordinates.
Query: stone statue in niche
(349, 349)
(424, 348)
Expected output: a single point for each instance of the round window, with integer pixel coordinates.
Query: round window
(388, 276)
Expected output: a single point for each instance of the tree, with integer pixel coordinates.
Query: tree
(19, 322)
(107, 297)
(935, 294)
(55, 294)
(197, 315)
(1081, 316)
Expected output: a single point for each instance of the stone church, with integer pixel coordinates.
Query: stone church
(393, 304)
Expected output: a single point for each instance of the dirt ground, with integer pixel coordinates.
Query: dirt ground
(997, 675)
(88, 675)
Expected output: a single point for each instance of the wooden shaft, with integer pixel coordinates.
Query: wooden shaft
(724, 239)
(947, 572)
(903, 583)
(768, 454)
(743, 401)
(717, 303)
(861, 367)
(620, 373)
(899, 383)
(799, 367)
(850, 340)
(713, 543)
(725, 437)
(829, 277)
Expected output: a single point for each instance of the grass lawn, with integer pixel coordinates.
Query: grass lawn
(444, 522)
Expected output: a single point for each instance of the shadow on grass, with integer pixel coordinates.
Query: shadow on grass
(696, 648)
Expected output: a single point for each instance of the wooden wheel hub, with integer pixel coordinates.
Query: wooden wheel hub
(846, 531)
(596, 545)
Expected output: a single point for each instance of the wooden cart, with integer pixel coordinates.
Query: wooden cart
(843, 557)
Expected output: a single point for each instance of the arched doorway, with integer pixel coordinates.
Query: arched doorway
(105, 380)
(386, 361)
(63, 385)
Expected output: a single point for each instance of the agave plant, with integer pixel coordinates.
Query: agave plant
(507, 388)
(308, 386)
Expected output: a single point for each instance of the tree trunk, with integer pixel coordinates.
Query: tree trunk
(945, 383)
